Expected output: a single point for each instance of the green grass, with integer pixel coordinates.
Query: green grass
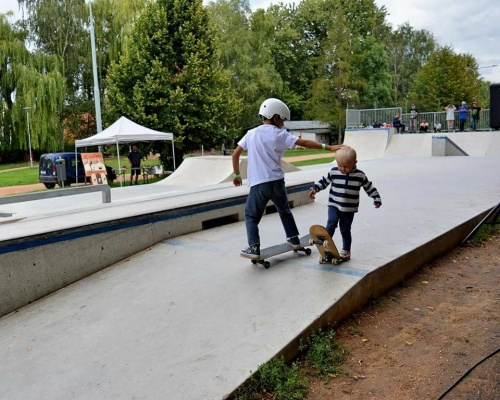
(483, 234)
(313, 161)
(322, 357)
(18, 177)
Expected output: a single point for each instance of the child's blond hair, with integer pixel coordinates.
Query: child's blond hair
(346, 153)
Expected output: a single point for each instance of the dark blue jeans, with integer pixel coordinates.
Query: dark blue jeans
(256, 203)
(344, 219)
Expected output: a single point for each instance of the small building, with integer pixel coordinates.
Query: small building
(310, 130)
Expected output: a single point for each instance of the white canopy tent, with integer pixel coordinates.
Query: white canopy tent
(124, 131)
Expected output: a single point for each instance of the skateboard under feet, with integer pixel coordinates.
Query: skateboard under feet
(272, 251)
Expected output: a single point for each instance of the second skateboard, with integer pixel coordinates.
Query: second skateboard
(325, 245)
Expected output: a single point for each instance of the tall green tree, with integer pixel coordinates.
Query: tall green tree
(61, 27)
(245, 54)
(30, 82)
(446, 78)
(408, 51)
(168, 78)
(373, 70)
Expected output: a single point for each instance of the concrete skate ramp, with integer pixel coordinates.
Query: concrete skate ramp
(369, 143)
(494, 145)
(419, 145)
(473, 143)
(444, 146)
(210, 170)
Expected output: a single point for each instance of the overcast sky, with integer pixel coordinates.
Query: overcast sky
(467, 26)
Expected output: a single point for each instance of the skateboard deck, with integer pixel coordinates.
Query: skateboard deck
(325, 245)
(278, 249)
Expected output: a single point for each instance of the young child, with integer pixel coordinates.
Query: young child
(346, 181)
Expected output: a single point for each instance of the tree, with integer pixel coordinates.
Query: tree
(446, 78)
(31, 80)
(373, 70)
(245, 54)
(168, 78)
(60, 27)
(408, 51)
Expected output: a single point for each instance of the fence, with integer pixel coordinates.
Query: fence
(364, 118)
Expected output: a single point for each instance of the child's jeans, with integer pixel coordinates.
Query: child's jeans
(344, 220)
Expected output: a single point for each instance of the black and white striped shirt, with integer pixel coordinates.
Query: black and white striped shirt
(344, 189)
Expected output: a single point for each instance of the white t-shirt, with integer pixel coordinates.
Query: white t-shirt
(450, 114)
(266, 145)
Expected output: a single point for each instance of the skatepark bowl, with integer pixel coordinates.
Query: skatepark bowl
(146, 296)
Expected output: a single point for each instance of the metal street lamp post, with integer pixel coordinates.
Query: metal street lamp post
(97, 99)
(27, 109)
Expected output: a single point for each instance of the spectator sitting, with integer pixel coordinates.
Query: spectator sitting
(396, 123)
(437, 127)
(424, 126)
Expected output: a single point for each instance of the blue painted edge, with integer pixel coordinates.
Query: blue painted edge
(29, 242)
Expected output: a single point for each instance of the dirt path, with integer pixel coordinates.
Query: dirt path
(415, 342)
(8, 190)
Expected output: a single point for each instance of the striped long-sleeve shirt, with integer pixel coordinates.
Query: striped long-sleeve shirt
(344, 189)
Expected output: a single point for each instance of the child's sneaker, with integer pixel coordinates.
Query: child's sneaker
(251, 252)
(294, 242)
(345, 255)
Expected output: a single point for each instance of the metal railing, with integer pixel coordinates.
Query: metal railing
(365, 118)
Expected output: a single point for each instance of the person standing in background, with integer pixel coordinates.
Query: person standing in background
(413, 119)
(475, 111)
(450, 117)
(463, 110)
(135, 164)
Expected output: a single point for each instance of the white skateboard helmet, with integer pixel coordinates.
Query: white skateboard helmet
(271, 106)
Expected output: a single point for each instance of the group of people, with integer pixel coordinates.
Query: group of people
(463, 111)
(266, 146)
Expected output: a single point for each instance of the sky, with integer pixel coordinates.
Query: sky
(469, 27)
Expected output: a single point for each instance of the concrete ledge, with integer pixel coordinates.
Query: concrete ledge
(50, 194)
(34, 266)
(377, 283)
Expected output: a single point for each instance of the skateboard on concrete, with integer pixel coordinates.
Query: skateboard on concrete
(325, 245)
(272, 251)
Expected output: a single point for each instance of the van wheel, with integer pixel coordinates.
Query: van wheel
(50, 185)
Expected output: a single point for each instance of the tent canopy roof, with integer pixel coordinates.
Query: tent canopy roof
(124, 131)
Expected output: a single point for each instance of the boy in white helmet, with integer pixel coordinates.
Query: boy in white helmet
(266, 145)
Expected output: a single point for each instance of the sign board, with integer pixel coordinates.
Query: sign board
(95, 168)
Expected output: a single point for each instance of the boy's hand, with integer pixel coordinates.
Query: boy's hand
(312, 194)
(377, 204)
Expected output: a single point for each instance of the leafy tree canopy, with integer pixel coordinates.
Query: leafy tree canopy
(168, 78)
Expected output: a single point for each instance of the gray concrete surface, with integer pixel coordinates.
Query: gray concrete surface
(190, 319)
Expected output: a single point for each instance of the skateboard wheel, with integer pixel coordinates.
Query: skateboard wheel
(320, 260)
(308, 252)
(326, 243)
(311, 242)
(335, 261)
(266, 264)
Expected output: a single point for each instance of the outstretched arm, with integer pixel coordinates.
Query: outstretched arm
(311, 144)
(236, 166)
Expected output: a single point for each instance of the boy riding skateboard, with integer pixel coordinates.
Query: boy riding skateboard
(343, 200)
(266, 145)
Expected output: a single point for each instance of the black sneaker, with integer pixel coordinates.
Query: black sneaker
(251, 252)
(294, 242)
